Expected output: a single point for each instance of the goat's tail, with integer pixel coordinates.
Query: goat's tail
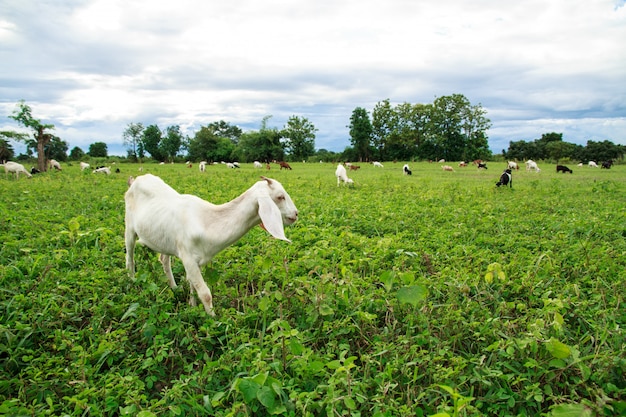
(130, 181)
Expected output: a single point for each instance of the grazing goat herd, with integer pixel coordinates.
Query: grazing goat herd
(194, 230)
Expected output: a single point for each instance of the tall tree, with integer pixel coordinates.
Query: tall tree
(384, 126)
(98, 150)
(23, 115)
(171, 142)
(6, 150)
(76, 154)
(361, 133)
(152, 142)
(299, 135)
(132, 140)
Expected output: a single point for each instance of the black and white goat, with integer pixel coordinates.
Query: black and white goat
(563, 169)
(195, 230)
(506, 178)
(407, 170)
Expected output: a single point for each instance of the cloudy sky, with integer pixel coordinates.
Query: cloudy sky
(91, 67)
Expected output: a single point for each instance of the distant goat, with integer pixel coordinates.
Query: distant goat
(506, 178)
(532, 166)
(482, 165)
(607, 164)
(54, 164)
(447, 168)
(83, 166)
(284, 164)
(195, 230)
(102, 170)
(202, 166)
(15, 168)
(513, 165)
(592, 164)
(406, 170)
(563, 169)
(257, 164)
(342, 175)
(354, 167)
(377, 164)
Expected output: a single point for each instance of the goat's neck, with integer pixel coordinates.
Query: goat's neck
(236, 217)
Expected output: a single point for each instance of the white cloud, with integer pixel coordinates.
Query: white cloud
(92, 67)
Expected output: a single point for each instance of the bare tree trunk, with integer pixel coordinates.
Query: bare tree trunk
(42, 141)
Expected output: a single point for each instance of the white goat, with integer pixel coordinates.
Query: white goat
(513, 165)
(52, 163)
(377, 164)
(202, 166)
(257, 164)
(592, 164)
(84, 166)
(195, 230)
(102, 170)
(532, 166)
(15, 168)
(342, 175)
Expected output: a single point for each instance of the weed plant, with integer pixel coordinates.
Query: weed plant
(432, 294)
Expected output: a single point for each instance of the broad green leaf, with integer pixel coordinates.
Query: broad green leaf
(249, 389)
(412, 295)
(570, 410)
(387, 279)
(349, 402)
(264, 304)
(558, 349)
(266, 396)
(325, 310)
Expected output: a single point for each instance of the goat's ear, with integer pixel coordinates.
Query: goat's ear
(269, 180)
(271, 219)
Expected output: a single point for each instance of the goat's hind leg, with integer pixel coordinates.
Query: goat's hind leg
(166, 261)
(197, 284)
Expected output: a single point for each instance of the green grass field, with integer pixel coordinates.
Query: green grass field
(431, 294)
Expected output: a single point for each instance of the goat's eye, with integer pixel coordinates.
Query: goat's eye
(281, 197)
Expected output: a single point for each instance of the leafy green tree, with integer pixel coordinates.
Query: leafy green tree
(299, 137)
(76, 154)
(132, 138)
(224, 129)
(98, 150)
(214, 142)
(23, 115)
(6, 150)
(171, 142)
(361, 133)
(152, 142)
(384, 127)
(57, 149)
(264, 145)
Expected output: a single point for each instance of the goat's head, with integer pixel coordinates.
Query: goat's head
(275, 208)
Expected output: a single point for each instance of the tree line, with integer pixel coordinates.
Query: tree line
(449, 128)
(551, 146)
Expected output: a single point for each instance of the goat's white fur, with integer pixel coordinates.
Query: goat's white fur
(342, 175)
(532, 166)
(103, 170)
(15, 168)
(53, 163)
(83, 166)
(592, 164)
(377, 164)
(202, 166)
(195, 230)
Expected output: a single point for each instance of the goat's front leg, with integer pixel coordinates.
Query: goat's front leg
(196, 282)
(167, 267)
(130, 239)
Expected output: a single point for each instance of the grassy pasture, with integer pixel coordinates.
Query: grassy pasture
(435, 293)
